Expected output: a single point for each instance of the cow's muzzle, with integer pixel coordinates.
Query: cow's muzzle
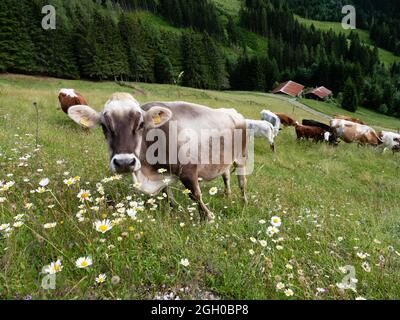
(124, 163)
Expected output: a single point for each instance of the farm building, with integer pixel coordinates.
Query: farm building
(320, 93)
(290, 88)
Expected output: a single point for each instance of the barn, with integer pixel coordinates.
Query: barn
(289, 88)
(320, 93)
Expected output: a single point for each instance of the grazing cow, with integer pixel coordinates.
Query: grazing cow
(353, 132)
(390, 140)
(272, 118)
(144, 140)
(286, 120)
(348, 118)
(328, 130)
(69, 98)
(315, 133)
(263, 129)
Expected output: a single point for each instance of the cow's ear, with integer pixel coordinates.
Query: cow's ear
(157, 116)
(84, 116)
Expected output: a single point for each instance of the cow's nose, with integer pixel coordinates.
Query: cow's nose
(124, 163)
(120, 163)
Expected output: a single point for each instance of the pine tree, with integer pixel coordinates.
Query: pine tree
(17, 51)
(193, 60)
(350, 96)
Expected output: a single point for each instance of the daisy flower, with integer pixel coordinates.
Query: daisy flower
(83, 262)
(362, 255)
(280, 286)
(263, 243)
(69, 182)
(289, 292)
(102, 226)
(213, 191)
(276, 221)
(84, 195)
(54, 267)
(50, 225)
(44, 182)
(101, 278)
(185, 262)
(18, 224)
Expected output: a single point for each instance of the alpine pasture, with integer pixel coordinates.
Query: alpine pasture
(337, 207)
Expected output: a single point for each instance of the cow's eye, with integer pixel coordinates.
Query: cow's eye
(141, 125)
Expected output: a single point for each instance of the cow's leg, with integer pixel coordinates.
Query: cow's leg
(189, 178)
(226, 176)
(241, 173)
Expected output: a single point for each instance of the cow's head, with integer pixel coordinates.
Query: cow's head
(124, 125)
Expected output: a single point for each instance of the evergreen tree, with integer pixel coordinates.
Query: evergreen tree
(350, 96)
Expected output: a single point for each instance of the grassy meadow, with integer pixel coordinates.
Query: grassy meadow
(338, 207)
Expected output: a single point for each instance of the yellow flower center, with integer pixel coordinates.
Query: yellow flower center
(84, 264)
(103, 228)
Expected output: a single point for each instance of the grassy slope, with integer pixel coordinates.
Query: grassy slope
(386, 56)
(321, 194)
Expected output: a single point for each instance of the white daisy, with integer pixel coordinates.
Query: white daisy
(84, 195)
(185, 262)
(54, 267)
(83, 262)
(101, 278)
(102, 226)
(276, 221)
(44, 182)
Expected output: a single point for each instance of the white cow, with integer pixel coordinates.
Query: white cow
(272, 118)
(264, 129)
(390, 140)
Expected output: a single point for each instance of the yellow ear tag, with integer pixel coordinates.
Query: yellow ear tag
(156, 119)
(84, 123)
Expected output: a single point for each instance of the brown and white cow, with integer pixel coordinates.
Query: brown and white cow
(286, 120)
(134, 135)
(353, 132)
(348, 118)
(69, 98)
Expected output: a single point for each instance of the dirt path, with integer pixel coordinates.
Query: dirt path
(298, 104)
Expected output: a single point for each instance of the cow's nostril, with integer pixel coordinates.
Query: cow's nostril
(116, 163)
(132, 163)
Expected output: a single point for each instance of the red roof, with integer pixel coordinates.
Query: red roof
(290, 88)
(320, 92)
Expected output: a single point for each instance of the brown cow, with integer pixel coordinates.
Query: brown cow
(350, 132)
(69, 98)
(348, 118)
(307, 132)
(286, 120)
(163, 141)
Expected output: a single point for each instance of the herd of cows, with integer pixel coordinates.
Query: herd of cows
(125, 124)
(345, 128)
